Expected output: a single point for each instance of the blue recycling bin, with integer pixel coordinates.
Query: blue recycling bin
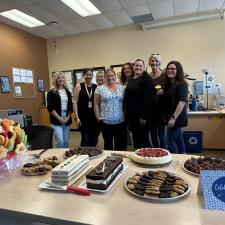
(193, 141)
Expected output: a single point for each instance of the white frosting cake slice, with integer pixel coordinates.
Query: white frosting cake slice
(69, 167)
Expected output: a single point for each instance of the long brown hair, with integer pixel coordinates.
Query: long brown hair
(179, 79)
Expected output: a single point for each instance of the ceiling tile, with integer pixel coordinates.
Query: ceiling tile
(161, 8)
(107, 5)
(65, 28)
(82, 25)
(39, 14)
(58, 9)
(12, 4)
(205, 5)
(118, 18)
(131, 3)
(137, 10)
(99, 21)
(182, 7)
(46, 32)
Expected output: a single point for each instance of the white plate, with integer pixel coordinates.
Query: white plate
(83, 185)
(45, 184)
(185, 194)
(195, 174)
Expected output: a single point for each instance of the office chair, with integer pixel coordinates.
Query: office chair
(39, 137)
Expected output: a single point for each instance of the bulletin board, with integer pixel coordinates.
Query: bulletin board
(23, 83)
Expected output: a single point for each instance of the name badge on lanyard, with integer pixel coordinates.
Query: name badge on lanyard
(89, 96)
(89, 105)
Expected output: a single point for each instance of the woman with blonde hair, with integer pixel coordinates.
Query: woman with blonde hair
(60, 107)
(108, 102)
(158, 126)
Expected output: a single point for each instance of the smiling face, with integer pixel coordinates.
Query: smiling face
(60, 80)
(171, 71)
(127, 70)
(88, 76)
(138, 67)
(100, 79)
(110, 77)
(154, 62)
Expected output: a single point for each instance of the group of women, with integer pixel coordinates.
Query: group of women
(152, 106)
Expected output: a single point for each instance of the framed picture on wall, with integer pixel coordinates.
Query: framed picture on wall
(41, 85)
(5, 86)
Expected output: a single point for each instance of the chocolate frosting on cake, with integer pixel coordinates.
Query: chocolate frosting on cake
(111, 163)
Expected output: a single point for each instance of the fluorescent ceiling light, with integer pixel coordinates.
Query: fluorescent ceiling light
(181, 20)
(82, 7)
(22, 18)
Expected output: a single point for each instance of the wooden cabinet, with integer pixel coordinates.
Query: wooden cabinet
(43, 117)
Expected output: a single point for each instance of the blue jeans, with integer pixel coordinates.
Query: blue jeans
(175, 140)
(61, 134)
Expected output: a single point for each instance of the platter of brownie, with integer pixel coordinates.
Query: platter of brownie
(158, 186)
(93, 152)
(195, 164)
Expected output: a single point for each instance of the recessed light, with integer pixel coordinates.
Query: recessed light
(22, 18)
(82, 7)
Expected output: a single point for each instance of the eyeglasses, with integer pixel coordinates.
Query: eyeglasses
(172, 68)
(155, 54)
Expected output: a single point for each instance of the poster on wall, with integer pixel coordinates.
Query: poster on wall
(17, 91)
(5, 86)
(41, 85)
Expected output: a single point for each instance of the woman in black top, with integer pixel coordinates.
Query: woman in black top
(126, 73)
(138, 100)
(84, 109)
(157, 127)
(176, 99)
(59, 101)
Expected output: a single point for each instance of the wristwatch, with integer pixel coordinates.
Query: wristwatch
(173, 117)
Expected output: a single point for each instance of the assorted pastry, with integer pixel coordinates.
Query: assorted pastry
(39, 168)
(195, 164)
(157, 184)
(91, 151)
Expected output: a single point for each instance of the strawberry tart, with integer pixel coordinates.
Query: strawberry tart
(152, 156)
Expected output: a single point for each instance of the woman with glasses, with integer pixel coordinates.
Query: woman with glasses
(109, 111)
(157, 127)
(126, 73)
(83, 99)
(139, 99)
(176, 100)
(60, 107)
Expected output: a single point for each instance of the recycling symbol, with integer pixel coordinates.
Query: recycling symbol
(193, 140)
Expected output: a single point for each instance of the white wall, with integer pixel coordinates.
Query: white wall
(196, 46)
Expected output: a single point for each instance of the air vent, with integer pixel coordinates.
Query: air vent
(142, 18)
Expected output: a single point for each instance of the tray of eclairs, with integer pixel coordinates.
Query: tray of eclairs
(195, 164)
(158, 186)
(38, 168)
(93, 152)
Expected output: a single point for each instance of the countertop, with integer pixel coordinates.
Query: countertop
(20, 196)
(206, 113)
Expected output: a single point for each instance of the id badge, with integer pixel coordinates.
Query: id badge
(89, 105)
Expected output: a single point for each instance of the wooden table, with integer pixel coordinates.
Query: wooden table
(20, 197)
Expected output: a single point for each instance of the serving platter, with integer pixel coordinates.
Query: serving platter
(84, 185)
(188, 171)
(34, 174)
(157, 199)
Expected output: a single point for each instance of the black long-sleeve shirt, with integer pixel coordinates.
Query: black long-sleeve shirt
(139, 98)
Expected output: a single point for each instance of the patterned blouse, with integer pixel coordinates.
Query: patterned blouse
(111, 104)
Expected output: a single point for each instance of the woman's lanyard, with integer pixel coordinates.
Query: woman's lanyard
(89, 96)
